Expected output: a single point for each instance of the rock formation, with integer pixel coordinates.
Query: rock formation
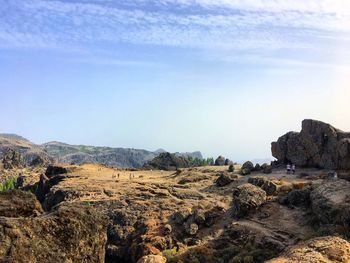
(247, 198)
(220, 160)
(317, 145)
(331, 203)
(168, 162)
(12, 159)
(322, 249)
(18, 203)
(70, 234)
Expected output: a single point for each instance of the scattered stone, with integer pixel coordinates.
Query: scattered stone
(245, 171)
(199, 217)
(248, 165)
(191, 228)
(168, 229)
(231, 168)
(257, 167)
(223, 180)
(265, 184)
(257, 181)
(228, 162)
(267, 169)
(181, 216)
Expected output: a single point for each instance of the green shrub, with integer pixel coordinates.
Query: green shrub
(8, 185)
(169, 254)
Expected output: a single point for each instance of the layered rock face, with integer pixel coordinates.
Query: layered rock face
(317, 145)
(72, 233)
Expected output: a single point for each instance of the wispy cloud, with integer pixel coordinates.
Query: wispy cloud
(204, 24)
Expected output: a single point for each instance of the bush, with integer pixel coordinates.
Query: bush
(8, 185)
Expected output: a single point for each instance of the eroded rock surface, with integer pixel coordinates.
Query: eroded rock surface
(317, 145)
(247, 198)
(16, 203)
(70, 234)
(331, 203)
(322, 250)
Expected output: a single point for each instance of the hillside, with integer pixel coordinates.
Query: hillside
(79, 154)
(29, 151)
(174, 213)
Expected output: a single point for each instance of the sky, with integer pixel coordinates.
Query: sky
(220, 76)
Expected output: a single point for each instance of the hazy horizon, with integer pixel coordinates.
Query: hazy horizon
(221, 77)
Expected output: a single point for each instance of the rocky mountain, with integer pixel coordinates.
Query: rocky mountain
(317, 145)
(78, 154)
(30, 153)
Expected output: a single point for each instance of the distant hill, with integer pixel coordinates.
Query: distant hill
(78, 154)
(30, 151)
(12, 136)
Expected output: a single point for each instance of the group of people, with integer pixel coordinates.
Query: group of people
(290, 168)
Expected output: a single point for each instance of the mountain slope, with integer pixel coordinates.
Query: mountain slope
(79, 154)
(28, 150)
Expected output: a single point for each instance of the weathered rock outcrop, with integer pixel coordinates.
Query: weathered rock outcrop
(70, 234)
(331, 203)
(55, 170)
(322, 250)
(265, 184)
(16, 203)
(25, 152)
(247, 198)
(12, 159)
(317, 145)
(167, 161)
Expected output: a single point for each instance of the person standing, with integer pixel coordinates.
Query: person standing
(288, 168)
(293, 168)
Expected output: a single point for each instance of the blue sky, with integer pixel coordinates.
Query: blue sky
(224, 76)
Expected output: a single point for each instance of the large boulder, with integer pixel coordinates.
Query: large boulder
(167, 161)
(70, 234)
(297, 197)
(270, 187)
(53, 170)
(246, 198)
(248, 165)
(321, 249)
(330, 203)
(223, 180)
(317, 145)
(16, 203)
(220, 161)
(228, 162)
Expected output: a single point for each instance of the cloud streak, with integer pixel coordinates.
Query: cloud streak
(205, 24)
